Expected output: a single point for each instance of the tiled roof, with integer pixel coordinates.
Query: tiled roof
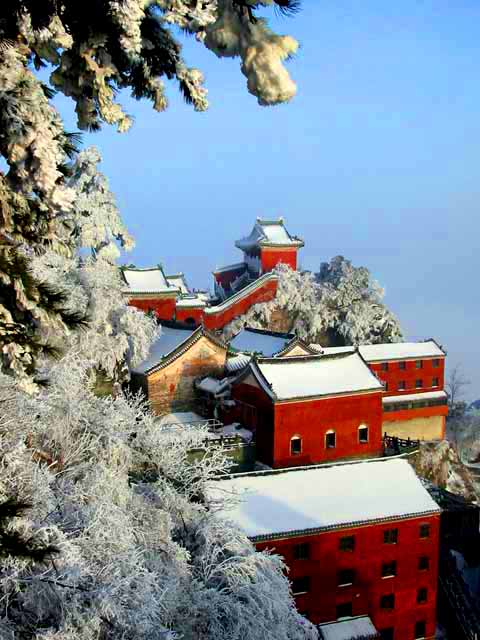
(151, 280)
(292, 502)
(269, 233)
(268, 343)
(299, 377)
(401, 350)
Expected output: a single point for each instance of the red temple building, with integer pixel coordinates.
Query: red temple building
(309, 409)
(360, 539)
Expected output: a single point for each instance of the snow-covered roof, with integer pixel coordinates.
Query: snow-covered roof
(269, 233)
(284, 503)
(350, 629)
(182, 417)
(329, 351)
(416, 397)
(213, 385)
(147, 281)
(178, 281)
(237, 363)
(191, 300)
(243, 293)
(168, 342)
(314, 376)
(267, 343)
(231, 267)
(401, 350)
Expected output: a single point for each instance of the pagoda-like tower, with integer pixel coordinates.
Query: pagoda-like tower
(268, 244)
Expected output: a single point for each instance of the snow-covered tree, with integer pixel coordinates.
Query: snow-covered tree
(96, 49)
(341, 300)
(128, 544)
(117, 336)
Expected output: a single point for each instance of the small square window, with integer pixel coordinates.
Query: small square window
(401, 385)
(363, 434)
(420, 629)
(344, 610)
(422, 595)
(390, 536)
(386, 634)
(330, 440)
(435, 382)
(300, 585)
(424, 531)
(423, 563)
(418, 364)
(384, 366)
(345, 577)
(435, 363)
(295, 446)
(389, 569)
(347, 543)
(387, 601)
(418, 383)
(402, 365)
(301, 551)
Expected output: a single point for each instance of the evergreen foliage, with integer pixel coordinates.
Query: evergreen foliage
(341, 300)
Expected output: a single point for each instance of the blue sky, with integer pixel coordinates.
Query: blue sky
(377, 159)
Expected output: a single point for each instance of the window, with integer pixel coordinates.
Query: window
(422, 595)
(390, 536)
(418, 383)
(330, 440)
(384, 366)
(301, 551)
(424, 531)
(345, 577)
(387, 601)
(295, 445)
(401, 385)
(386, 634)
(363, 434)
(347, 543)
(435, 363)
(423, 563)
(344, 610)
(418, 364)
(389, 569)
(434, 382)
(300, 585)
(402, 365)
(420, 629)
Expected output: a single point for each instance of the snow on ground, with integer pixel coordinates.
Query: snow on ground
(318, 376)
(324, 496)
(182, 417)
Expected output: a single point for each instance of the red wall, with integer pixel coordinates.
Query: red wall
(410, 374)
(370, 552)
(184, 313)
(269, 258)
(239, 306)
(311, 420)
(163, 307)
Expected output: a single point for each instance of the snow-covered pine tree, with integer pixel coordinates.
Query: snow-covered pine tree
(342, 302)
(142, 552)
(117, 336)
(96, 49)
